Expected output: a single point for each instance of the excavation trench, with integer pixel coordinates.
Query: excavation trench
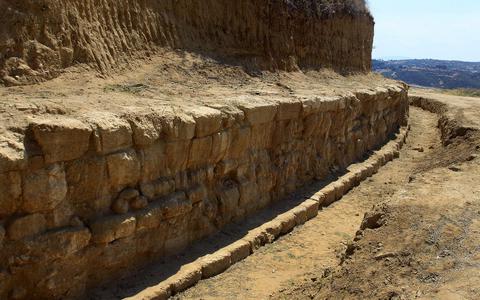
(320, 243)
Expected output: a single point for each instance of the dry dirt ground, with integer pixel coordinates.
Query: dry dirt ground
(421, 239)
(174, 82)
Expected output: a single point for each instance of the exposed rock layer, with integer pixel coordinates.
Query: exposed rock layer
(40, 38)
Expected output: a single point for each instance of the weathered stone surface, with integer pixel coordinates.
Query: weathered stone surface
(154, 162)
(200, 151)
(10, 192)
(108, 229)
(175, 205)
(215, 263)
(150, 217)
(61, 138)
(139, 203)
(229, 197)
(26, 226)
(157, 188)
(12, 152)
(144, 131)
(44, 189)
(208, 121)
(111, 133)
(61, 242)
(178, 127)
(88, 186)
(257, 113)
(197, 194)
(240, 142)
(289, 110)
(220, 144)
(177, 153)
(238, 251)
(123, 168)
(187, 276)
(2, 235)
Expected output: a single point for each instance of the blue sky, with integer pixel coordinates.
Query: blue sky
(441, 29)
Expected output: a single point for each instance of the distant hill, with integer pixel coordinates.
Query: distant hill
(432, 73)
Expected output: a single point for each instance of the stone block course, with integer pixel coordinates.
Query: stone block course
(148, 185)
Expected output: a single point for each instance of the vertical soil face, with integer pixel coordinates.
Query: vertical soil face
(40, 38)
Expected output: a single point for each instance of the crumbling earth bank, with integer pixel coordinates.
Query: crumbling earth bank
(40, 38)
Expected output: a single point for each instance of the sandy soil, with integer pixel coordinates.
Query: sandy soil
(425, 246)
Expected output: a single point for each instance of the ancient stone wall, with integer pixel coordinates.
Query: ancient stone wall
(94, 197)
(40, 38)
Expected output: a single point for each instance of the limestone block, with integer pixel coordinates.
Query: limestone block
(220, 144)
(44, 189)
(300, 213)
(226, 166)
(228, 198)
(214, 264)
(257, 113)
(108, 229)
(240, 142)
(123, 168)
(26, 226)
(158, 188)
(257, 238)
(12, 152)
(121, 205)
(248, 194)
(111, 132)
(330, 194)
(177, 153)
(208, 121)
(60, 216)
(312, 208)
(178, 235)
(200, 151)
(178, 127)
(273, 229)
(311, 125)
(150, 217)
(288, 110)
(61, 138)
(88, 186)
(262, 136)
(154, 162)
(61, 242)
(197, 194)
(186, 277)
(287, 220)
(10, 192)
(239, 250)
(175, 205)
(139, 203)
(144, 131)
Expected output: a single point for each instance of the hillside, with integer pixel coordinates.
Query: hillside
(432, 73)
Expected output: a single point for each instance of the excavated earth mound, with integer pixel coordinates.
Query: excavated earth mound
(103, 171)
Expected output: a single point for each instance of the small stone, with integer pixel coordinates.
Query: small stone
(139, 203)
(129, 194)
(472, 157)
(455, 168)
(120, 206)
